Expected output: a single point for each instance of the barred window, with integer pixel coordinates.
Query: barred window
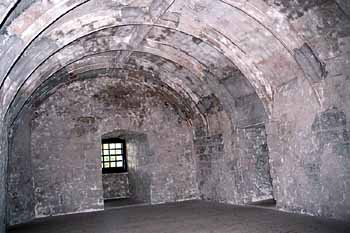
(113, 155)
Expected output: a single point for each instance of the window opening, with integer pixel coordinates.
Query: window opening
(113, 155)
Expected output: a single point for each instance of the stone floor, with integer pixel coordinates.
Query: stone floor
(191, 217)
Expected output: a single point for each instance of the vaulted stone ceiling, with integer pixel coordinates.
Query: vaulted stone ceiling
(274, 62)
(192, 34)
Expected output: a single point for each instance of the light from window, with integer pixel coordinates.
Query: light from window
(113, 155)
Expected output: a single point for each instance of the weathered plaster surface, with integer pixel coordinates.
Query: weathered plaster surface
(115, 186)
(66, 144)
(20, 200)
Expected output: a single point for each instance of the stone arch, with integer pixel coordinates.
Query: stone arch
(268, 88)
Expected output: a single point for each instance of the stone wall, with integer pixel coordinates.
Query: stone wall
(66, 138)
(210, 150)
(66, 162)
(139, 156)
(327, 169)
(3, 177)
(308, 136)
(309, 154)
(233, 155)
(252, 169)
(115, 186)
(20, 180)
(233, 166)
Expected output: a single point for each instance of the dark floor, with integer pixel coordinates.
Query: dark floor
(271, 203)
(191, 217)
(121, 203)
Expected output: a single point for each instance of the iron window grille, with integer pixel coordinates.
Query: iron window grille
(113, 156)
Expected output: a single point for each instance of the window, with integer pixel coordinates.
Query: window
(113, 155)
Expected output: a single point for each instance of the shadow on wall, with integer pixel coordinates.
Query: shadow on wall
(136, 183)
